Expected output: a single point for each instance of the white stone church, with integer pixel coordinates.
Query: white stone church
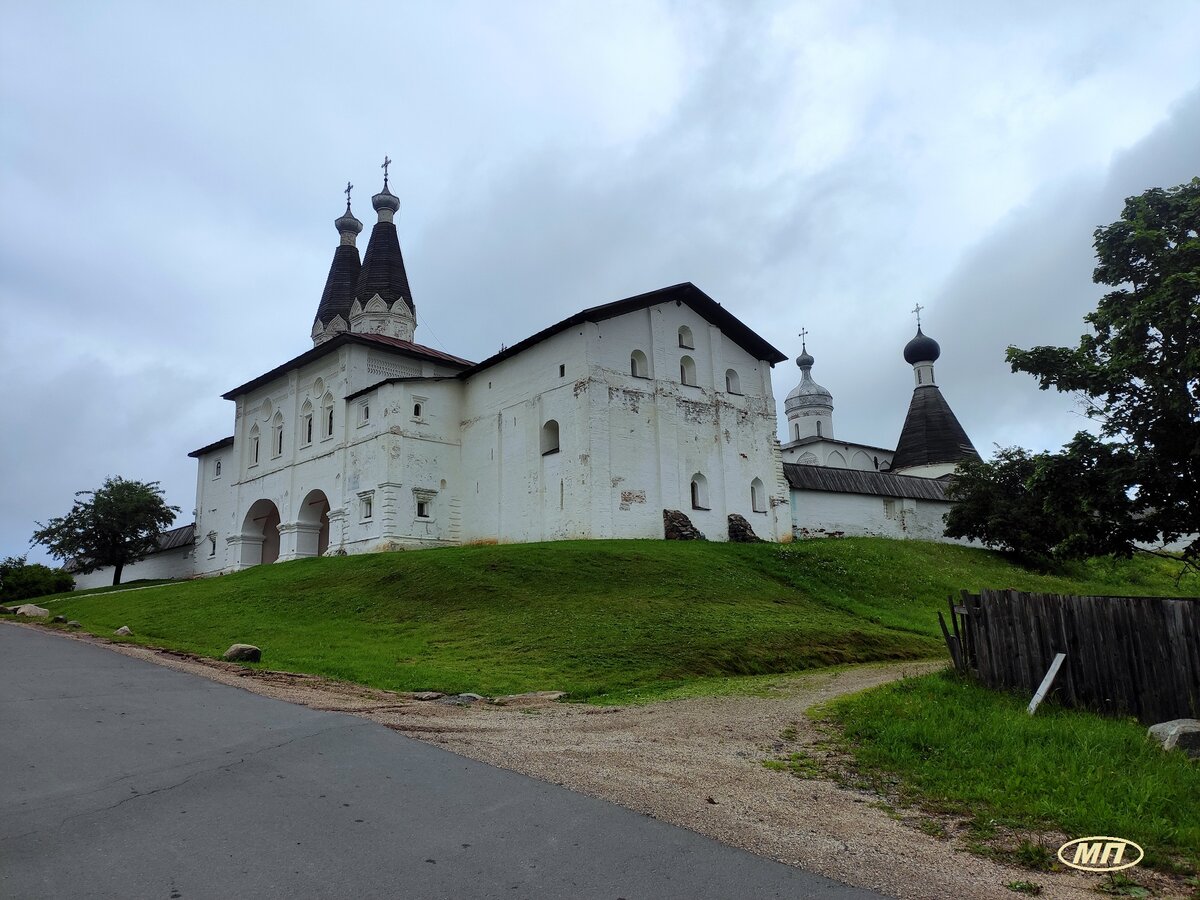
(592, 428)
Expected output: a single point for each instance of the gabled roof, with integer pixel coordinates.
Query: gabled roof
(408, 348)
(209, 448)
(383, 270)
(855, 481)
(931, 432)
(733, 328)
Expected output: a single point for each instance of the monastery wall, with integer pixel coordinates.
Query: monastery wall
(863, 515)
(175, 563)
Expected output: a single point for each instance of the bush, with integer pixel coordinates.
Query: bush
(20, 580)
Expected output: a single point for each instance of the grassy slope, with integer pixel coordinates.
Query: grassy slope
(602, 618)
(1074, 771)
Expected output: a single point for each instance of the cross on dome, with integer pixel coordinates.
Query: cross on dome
(386, 162)
(917, 309)
(349, 188)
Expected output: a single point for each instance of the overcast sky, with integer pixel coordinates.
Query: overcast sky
(169, 173)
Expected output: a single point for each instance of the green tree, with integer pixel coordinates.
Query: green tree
(1139, 373)
(20, 580)
(117, 525)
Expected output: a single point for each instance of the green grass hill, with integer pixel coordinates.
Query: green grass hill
(611, 620)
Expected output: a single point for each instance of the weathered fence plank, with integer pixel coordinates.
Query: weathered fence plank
(1135, 656)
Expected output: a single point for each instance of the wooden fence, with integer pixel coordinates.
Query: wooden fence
(1136, 656)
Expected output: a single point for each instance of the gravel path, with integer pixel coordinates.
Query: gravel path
(695, 763)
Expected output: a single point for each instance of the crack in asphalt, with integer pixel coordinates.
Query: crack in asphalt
(170, 787)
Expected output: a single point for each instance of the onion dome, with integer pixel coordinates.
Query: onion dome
(347, 223)
(921, 349)
(807, 393)
(385, 199)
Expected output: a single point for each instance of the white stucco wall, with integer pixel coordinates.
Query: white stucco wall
(177, 563)
(838, 455)
(823, 513)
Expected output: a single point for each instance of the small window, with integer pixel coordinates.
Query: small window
(685, 338)
(638, 367)
(327, 416)
(687, 370)
(795, 431)
(758, 496)
(818, 428)
(699, 492)
(422, 509)
(254, 447)
(550, 437)
(364, 412)
(417, 410)
(212, 545)
(562, 370)
(366, 505)
(217, 469)
(306, 424)
(277, 436)
(733, 384)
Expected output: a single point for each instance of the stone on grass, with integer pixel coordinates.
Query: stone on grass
(243, 653)
(741, 532)
(678, 527)
(28, 609)
(531, 698)
(74, 624)
(124, 631)
(1178, 734)
(428, 695)
(59, 619)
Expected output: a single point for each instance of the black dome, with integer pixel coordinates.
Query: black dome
(921, 349)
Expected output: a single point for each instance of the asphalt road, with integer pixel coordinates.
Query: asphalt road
(123, 779)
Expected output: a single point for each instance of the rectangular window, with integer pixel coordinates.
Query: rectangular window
(422, 509)
(562, 370)
(366, 505)
(364, 413)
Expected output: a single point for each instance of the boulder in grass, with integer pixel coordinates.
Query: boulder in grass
(124, 631)
(1178, 734)
(28, 609)
(243, 653)
(59, 620)
(74, 624)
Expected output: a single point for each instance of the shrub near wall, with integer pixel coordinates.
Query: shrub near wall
(20, 580)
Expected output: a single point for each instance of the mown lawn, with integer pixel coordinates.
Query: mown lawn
(610, 620)
(960, 748)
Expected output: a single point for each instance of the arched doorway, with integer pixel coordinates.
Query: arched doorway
(260, 534)
(312, 533)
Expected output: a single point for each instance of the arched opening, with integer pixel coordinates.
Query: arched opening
(758, 496)
(638, 366)
(260, 534)
(254, 448)
(687, 370)
(327, 416)
(417, 410)
(699, 491)
(733, 384)
(819, 428)
(277, 435)
(685, 338)
(549, 437)
(306, 423)
(312, 537)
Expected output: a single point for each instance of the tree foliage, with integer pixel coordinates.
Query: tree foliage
(1139, 374)
(116, 525)
(20, 580)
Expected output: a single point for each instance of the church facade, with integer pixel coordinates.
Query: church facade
(598, 426)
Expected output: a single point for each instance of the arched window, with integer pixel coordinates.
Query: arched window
(758, 496)
(637, 365)
(687, 370)
(549, 437)
(327, 416)
(733, 384)
(699, 491)
(795, 431)
(306, 423)
(254, 445)
(818, 427)
(277, 435)
(217, 469)
(417, 410)
(685, 338)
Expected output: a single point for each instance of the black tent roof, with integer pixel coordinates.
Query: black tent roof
(931, 432)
